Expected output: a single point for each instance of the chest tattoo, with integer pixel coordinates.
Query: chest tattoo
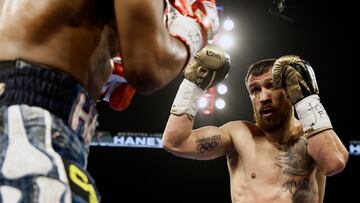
(295, 162)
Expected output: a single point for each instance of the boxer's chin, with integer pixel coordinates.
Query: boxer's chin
(271, 122)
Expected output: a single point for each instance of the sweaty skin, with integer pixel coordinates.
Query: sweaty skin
(79, 37)
(271, 167)
(261, 171)
(58, 34)
(274, 167)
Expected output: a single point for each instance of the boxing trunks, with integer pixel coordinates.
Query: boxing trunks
(46, 123)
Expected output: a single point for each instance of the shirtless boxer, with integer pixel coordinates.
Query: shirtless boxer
(277, 159)
(54, 61)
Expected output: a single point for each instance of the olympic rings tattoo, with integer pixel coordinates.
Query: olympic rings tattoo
(206, 147)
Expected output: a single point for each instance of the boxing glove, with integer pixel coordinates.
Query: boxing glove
(209, 67)
(297, 78)
(194, 22)
(117, 91)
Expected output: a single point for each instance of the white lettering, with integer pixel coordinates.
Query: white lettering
(140, 140)
(137, 141)
(129, 141)
(80, 117)
(119, 140)
(354, 149)
(151, 141)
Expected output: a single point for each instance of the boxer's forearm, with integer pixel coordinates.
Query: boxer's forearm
(151, 66)
(328, 151)
(152, 57)
(177, 130)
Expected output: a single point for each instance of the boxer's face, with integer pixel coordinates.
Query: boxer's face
(272, 109)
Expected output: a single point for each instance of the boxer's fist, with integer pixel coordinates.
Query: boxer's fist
(209, 67)
(296, 77)
(194, 22)
(117, 91)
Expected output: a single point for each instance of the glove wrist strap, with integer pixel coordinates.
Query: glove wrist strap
(186, 100)
(312, 115)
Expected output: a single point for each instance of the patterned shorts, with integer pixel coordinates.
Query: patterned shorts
(43, 144)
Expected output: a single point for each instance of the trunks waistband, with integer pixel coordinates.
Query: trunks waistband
(23, 82)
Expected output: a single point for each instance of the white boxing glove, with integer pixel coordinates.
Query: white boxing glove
(194, 22)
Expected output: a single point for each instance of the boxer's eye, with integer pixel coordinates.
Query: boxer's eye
(270, 85)
(255, 90)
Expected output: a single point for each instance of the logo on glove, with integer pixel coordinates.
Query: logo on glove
(213, 54)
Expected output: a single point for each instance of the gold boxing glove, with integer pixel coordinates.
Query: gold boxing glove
(209, 67)
(297, 78)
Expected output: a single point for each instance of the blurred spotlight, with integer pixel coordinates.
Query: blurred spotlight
(222, 89)
(220, 103)
(228, 24)
(226, 41)
(203, 102)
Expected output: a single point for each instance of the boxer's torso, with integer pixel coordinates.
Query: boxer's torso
(263, 172)
(61, 34)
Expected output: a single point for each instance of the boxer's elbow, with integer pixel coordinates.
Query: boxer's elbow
(336, 165)
(174, 149)
(144, 79)
(169, 142)
(172, 141)
(149, 73)
(168, 145)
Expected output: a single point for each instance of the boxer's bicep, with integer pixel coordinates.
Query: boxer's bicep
(205, 143)
(210, 142)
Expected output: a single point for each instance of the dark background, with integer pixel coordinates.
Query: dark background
(321, 32)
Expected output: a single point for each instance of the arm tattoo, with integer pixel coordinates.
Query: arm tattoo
(295, 162)
(207, 144)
